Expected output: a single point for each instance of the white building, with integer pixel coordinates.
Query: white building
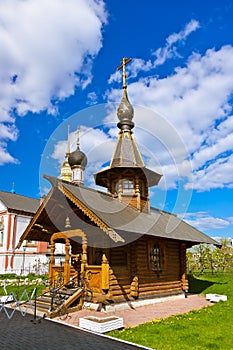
(16, 212)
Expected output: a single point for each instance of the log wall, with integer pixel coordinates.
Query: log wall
(131, 274)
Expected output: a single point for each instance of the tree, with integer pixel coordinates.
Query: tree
(209, 257)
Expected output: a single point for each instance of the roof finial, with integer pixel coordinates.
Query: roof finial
(78, 136)
(13, 188)
(125, 110)
(68, 143)
(124, 61)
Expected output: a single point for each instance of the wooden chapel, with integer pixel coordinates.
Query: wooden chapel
(116, 245)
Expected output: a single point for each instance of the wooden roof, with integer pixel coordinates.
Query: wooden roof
(104, 218)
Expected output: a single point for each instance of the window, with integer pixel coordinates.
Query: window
(1, 223)
(128, 186)
(156, 257)
(1, 237)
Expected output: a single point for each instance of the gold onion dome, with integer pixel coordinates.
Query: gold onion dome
(66, 172)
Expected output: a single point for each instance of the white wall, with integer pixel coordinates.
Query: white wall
(23, 260)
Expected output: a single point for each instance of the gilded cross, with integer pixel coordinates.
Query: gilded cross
(124, 61)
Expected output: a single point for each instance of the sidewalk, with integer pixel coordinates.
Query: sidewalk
(23, 333)
(133, 317)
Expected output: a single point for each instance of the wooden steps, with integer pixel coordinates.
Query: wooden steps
(54, 302)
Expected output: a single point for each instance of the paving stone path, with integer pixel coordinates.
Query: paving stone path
(133, 317)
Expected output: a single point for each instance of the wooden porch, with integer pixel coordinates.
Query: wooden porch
(76, 271)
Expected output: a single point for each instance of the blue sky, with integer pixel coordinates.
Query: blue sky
(58, 63)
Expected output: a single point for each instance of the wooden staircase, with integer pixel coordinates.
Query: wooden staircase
(57, 302)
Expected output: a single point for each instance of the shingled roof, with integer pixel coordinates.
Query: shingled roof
(125, 218)
(15, 202)
(117, 219)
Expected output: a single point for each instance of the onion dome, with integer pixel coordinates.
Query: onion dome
(125, 113)
(66, 173)
(77, 158)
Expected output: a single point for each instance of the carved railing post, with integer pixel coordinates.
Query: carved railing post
(105, 273)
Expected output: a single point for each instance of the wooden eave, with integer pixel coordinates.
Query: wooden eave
(91, 215)
(20, 212)
(101, 178)
(41, 227)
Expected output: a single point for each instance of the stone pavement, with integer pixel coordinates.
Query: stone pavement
(135, 316)
(20, 333)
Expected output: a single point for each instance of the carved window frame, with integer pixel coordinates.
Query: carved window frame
(156, 257)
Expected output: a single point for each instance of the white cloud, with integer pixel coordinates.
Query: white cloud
(162, 54)
(216, 175)
(92, 98)
(170, 50)
(8, 132)
(47, 50)
(203, 221)
(5, 157)
(182, 35)
(196, 100)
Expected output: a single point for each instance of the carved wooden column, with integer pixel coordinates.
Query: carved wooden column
(67, 263)
(84, 254)
(52, 263)
(83, 261)
(120, 190)
(137, 191)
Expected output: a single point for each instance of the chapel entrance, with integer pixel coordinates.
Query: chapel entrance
(70, 267)
(76, 270)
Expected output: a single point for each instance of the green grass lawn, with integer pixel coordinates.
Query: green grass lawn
(18, 290)
(209, 328)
